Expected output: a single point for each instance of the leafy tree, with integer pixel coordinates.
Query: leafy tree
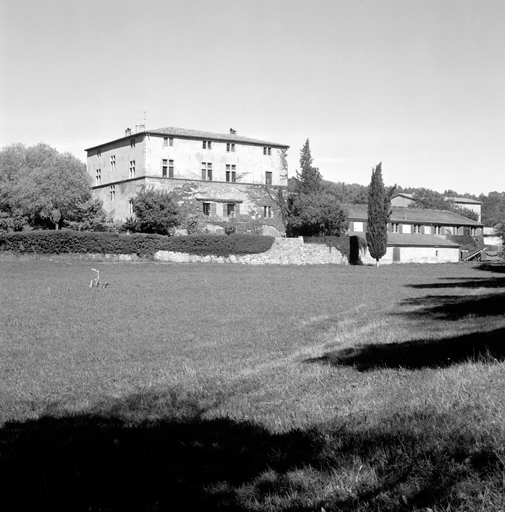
(493, 208)
(41, 185)
(315, 215)
(351, 193)
(156, 211)
(88, 216)
(309, 178)
(379, 211)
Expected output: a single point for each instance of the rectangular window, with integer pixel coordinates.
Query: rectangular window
(230, 147)
(130, 207)
(267, 212)
(230, 210)
(436, 230)
(171, 141)
(267, 150)
(395, 228)
(170, 168)
(165, 141)
(417, 228)
(132, 169)
(206, 171)
(168, 141)
(98, 177)
(231, 173)
(164, 168)
(113, 163)
(112, 192)
(472, 231)
(268, 178)
(207, 144)
(132, 143)
(206, 209)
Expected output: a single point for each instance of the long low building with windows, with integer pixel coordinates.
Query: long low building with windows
(417, 235)
(226, 174)
(417, 221)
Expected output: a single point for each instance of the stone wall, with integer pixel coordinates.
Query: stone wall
(284, 251)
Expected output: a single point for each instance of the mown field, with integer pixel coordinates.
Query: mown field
(241, 388)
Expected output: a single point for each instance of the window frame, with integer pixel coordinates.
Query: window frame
(231, 173)
(132, 169)
(206, 209)
(230, 210)
(112, 192)
(98, 177)
(269, 177)
(206, 171)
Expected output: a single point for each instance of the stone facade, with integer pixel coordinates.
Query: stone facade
(225, 173)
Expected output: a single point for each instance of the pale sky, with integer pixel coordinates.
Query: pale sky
(416, 84)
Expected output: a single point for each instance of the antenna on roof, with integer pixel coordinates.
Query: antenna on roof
(141, 127)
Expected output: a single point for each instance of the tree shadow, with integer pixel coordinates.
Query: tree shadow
(492, 267)
(457, 307)
(419, 354)
(460, 282)
(113, 459)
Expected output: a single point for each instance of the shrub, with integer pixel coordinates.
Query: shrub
(59, 242)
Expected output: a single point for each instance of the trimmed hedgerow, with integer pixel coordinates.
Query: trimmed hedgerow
(80, 242)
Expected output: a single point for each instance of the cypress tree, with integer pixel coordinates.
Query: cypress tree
(309, 178)
(379, 203)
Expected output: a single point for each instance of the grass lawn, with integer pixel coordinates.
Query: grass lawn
(243, 388)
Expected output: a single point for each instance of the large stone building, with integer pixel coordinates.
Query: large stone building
(223, 174)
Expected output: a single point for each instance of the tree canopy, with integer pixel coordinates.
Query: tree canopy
(316, 215)
(309, 209)
(379, 211)
(40, 186)
(156, 211)
(308, 178)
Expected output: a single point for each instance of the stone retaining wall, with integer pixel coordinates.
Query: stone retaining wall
(284, 251)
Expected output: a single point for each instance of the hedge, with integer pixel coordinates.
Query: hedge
(81, 242)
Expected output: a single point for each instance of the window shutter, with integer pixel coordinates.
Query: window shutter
(237, 209)
(351, 225)
(225, 209)
(213, 209)
(423, 230)
(400, 228)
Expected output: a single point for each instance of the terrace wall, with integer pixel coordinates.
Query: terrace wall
(284, 251)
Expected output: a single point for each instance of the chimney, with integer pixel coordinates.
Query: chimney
(127, 132)
(233, 132)
(140, 128)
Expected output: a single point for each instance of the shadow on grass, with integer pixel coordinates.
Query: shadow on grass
(419, 354)
(111, 459)
(456, 307)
